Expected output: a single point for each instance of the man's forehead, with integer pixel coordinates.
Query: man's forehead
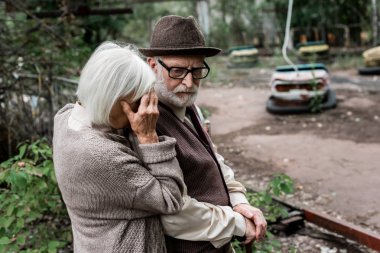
(183, 59)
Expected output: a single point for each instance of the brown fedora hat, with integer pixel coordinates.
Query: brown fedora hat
(175, 35)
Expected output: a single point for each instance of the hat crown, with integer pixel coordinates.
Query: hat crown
(176, 35)
(177, 32)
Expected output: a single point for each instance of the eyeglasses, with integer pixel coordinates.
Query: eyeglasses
(181, 73)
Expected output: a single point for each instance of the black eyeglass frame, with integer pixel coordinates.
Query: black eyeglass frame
(187, 70)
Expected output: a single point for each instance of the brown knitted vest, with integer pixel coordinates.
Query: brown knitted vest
(201, 171)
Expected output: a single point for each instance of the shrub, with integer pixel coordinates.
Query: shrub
(280, 185)
(33, 217)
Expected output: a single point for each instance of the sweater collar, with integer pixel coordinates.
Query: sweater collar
(79, 118)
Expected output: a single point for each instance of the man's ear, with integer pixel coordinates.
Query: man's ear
(152, 63)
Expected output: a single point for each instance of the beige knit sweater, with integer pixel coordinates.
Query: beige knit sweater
(112, 196)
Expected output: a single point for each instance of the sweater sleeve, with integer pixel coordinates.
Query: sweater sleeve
(107, 180)
(167, 178)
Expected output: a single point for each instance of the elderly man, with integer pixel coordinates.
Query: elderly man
(215, 206)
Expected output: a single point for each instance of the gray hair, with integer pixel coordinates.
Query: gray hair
(112, 72)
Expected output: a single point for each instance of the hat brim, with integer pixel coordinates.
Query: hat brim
(206, 51)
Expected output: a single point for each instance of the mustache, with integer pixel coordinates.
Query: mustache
(183, 88)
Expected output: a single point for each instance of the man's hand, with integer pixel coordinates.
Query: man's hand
(250, 231)
(256, 216)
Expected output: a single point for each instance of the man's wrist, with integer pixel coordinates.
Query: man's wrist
(240, 226)
(237, 198)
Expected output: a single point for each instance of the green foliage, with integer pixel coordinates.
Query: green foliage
(238, 23)
(40, 63)
(218, 32)
(33, 218)
(269, 245)
(41, 58)
(316, 101)
(280, 185)
(205, 112)
(139, 25)
(323, 14)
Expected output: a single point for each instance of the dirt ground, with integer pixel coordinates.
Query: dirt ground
(334, 156)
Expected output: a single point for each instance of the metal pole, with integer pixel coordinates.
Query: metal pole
(374, 23)
(287, 37)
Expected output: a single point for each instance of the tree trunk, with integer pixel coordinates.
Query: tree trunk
(202, 8)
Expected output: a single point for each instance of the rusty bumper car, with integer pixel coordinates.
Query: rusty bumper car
(242, 57)
(306, 91)
(372, 62)
(316, 51)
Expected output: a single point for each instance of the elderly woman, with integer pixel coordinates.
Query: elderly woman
(116, 187)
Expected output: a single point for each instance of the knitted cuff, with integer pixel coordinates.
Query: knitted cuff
(159, 152)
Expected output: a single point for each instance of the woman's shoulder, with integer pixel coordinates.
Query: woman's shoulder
(77, 139)
(106, 148)
(89, 153)
(65, 109)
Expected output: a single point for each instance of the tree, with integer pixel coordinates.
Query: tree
(235, 23)
(40, 63)
(325, 14)
(41, 59)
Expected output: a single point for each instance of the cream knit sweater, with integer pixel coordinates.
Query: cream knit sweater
(113, 197)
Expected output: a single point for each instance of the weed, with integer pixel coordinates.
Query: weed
(33, 217)
(280, 185)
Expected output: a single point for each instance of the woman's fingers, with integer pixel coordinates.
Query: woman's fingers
(127, 110)
(144, 101)
(153, 96)
(153, 101)
(143, 122)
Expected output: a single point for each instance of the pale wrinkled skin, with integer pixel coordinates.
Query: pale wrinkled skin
(256, 230)
(143, 122)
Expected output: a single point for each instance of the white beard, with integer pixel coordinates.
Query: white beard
(170, 97)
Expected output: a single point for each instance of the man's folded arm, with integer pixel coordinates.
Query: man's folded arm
(235, 189)
(200, 221)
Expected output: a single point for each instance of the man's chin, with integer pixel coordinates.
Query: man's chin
(184, 94)
(187, 100)
(178, 100)
(181, 102)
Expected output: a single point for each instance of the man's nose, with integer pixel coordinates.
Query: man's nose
(188, 80)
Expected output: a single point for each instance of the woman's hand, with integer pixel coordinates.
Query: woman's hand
(143, 122)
